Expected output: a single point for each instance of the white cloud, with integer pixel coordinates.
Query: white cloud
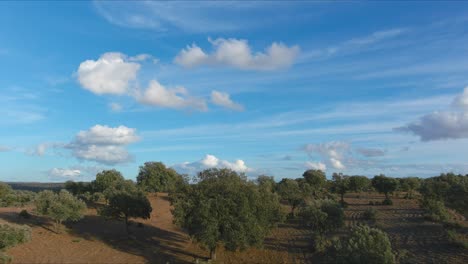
(110, 74)
(441, 125)
(191, 16)
(4, 148)
(224, 100)
(105, 135)
(238, 54)
(461, 100)
(211, 161)
(104, 144)
(64, 174)
(115, 107)
(116, 73)
(336, 164)
(331, 152)
(316, 166)
(158, 95)
(39, 150)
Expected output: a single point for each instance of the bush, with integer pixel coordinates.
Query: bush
(24, 214)
(370, 214)
(5, 259)
(371, 203)
(364, 245)
(321, 244)
(387, 201)
(323, 216)
(11, 235)
(457, 239)
(435, 211)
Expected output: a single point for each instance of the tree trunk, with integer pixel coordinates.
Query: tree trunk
(213, 254)
(293, 207)
(126, 224)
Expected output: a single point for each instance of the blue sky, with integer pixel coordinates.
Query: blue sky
(260, 87)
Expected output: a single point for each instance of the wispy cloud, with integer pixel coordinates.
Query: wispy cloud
(209, 16)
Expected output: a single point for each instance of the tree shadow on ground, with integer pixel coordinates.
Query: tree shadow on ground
(154, 244)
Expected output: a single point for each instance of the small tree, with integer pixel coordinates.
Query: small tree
(323, 216)
(409, 185)
(340, 185)
(223, 207)
(156, 177)
(384, 184)
(266, 182)
(289, 190)
(127, 202)
(365, 245)
(62, 206)
(359, 183)
(107, 179)
(316, 179)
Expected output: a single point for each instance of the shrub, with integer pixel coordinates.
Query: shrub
(5, 259)
(387, 201)
(371, 203)
(24, 214)
(322, 216)
(364, 245)
(62, 206)
(435, 210)
(457, 239)
(370, 214)
(321, 243)
(11, 235)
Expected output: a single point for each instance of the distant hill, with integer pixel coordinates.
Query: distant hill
(37, 186)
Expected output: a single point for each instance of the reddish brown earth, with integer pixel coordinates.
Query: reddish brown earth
(95, 240)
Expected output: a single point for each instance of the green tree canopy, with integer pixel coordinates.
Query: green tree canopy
(359, 183)
(156, 177)
(340, 185)
(409, 184)
(290, 190)
(384, 184)
(107, 179)
(365, 245)
(316, 179)
(62, 206)
(224, 208)
(126, 202)
(266, 182)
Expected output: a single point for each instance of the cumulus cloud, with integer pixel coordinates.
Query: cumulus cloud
(316, 165)
(178, 98)
(110, 74)
(211, 161)
(103, 144)
(116, 73)
(441, 125)
(224, 100)
(332, 152)
(371, 152)
(64, 174)
(238, 54)
(104, 135)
